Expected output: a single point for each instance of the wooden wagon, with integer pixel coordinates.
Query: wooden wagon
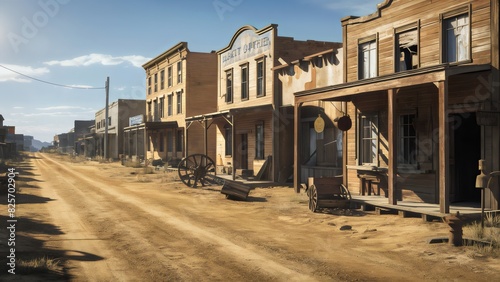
(327, 192)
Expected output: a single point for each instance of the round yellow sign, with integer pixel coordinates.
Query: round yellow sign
(319, 124)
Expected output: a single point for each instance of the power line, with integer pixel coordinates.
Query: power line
(51, 83)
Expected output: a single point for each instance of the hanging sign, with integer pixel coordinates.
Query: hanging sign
(319, 124)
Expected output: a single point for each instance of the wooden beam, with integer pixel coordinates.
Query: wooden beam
(393, 147)
(444, 150)
(296, 147)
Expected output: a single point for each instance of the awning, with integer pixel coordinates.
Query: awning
(161, 125)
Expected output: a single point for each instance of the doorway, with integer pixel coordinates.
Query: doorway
(465, 152)
(243, 150)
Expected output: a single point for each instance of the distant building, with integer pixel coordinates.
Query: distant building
(81, 131)
(180, 84)
(118, 118)
(254, 117)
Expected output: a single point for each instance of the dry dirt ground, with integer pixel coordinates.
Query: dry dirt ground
(106, 222)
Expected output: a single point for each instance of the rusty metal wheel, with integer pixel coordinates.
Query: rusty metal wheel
(313, 198)
(197, 168)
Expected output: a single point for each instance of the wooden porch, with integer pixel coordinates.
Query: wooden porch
(427, 211)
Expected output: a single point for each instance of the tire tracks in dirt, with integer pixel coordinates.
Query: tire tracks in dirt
(148, 235)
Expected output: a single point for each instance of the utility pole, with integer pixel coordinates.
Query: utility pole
(106, 121)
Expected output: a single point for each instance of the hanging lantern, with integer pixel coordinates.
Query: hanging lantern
(344, 123)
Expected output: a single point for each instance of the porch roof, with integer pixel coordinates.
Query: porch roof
(344, 91)
(151, 125)
(230, 112)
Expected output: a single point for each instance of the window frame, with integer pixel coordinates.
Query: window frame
(244, 82)
(229, 86)
(170, 98)
(361, 66)
(444, 17)
(169, 76)
(397, 51)
(361, 139)
(260, 78)
(179, 72)
(161, 107)
(162, 79)
(228, 144)
(402, 138)
(179, 141)
(260, 140)
(179, 102)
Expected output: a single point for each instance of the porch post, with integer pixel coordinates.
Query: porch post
(296, 147)
(393, 147)
(205, 135)
(233, 142)
(444, 150)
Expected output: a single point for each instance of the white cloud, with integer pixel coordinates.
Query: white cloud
(58, 108)
(106, 60)
(13, 73)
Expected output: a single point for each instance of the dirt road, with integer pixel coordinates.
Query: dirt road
(106, 222)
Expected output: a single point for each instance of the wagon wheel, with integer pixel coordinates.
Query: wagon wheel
(197, 168)
(345, 192)
(313, 198)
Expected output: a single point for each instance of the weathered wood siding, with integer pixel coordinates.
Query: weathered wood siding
(426, 14)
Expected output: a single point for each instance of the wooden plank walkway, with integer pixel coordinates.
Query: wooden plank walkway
(427, 211)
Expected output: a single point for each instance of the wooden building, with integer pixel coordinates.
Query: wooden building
(254, 121)
(421, 86)
(180, 83)
(320, 138)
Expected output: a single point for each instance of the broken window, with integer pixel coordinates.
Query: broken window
(407, 50)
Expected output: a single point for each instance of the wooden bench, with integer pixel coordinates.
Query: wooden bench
(366, 184)
(235, 190)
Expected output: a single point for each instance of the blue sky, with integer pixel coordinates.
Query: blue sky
(81, 42)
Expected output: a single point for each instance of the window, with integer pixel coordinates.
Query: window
(156, 111)
(228, 134)
(169, 76)
(367, 59)
(406, 49)
(170, 141)
(368, 138)
(150, 114)
(156, 82)
(179, 141)
(162, 143)
(229, 86)
(169, 104)
(162, 79)
(244, 82)
(407, 140)
(179, 102)
(162, 107)
(109, 121)
(179, 72)
(456, 38)
(259, 141)
(149, 85)
(261, 84)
